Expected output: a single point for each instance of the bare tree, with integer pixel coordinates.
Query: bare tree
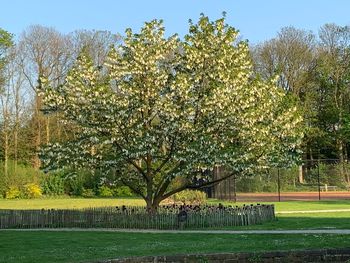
(96, 42)
(45, 53)
(6, 44)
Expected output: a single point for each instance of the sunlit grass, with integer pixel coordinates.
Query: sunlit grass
(67, 203)
(90, 246)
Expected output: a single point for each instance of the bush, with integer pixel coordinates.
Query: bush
(78, 180)
(105, 191)
(53, 184)
(190, 196)
(74, 183)
(249, 184)
(13, 192)
(88, 193)
(122, 191)
(17, 175)
(32, 190)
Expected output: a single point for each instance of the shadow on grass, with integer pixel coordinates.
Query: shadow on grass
(302, 221)
(47, 247)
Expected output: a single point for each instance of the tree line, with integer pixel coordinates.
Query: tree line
(315, 69)
(38, 52)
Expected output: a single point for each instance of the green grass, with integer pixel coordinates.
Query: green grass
(334, 220)
(66, 203)
(41, 246)
(87, 246)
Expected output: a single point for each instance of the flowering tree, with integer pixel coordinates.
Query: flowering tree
(162, 109)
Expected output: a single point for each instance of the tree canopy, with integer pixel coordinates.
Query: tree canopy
(161, 110)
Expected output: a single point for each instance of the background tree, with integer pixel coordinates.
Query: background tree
(95, 42)
(167, 109)
(45, 53)
(292, 57)
(333, 75)
(6, 43)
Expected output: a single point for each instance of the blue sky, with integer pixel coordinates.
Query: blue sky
(257, 20)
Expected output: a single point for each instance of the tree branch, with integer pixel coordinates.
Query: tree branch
(137, 191)
(187, 186)
(166, 160)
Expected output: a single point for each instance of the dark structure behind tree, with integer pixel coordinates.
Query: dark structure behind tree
(225, 189)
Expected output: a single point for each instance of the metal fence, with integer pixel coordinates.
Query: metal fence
(318, 179)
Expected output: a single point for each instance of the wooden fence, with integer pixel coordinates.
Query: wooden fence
(136, 218)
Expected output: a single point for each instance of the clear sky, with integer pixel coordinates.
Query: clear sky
(257, 20)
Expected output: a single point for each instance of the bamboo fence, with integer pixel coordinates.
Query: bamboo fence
(136, 218)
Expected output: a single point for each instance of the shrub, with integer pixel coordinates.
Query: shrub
(88, 193)
(78, 180)
(269, 187)
(13, 192)
(74, 183)
(248, 184)
(122, 191)
(190, 196)
(32, 190)
(17, 175)
(53, 184)
(105, 191)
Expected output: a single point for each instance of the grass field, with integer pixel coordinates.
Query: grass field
(88, 246)
(41, 246)
(62, 203)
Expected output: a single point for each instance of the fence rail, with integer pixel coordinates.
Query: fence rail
(135, 218)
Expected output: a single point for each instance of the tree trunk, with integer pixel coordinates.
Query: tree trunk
(347, 179)
(342, 159)
(301, 174)
(15, 145)
(37, 136)
(58, 127)
(47, 129)
(152, 206)
(6, 153)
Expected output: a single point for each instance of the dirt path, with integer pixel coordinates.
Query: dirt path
(231, 232)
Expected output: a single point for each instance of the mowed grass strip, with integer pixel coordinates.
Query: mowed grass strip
(331, 220)
(51, 247)
(68, 203)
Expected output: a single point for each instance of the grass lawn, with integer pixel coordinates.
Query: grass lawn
(87, 246)
(332, 220)
(42, 246)
(66, 202)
